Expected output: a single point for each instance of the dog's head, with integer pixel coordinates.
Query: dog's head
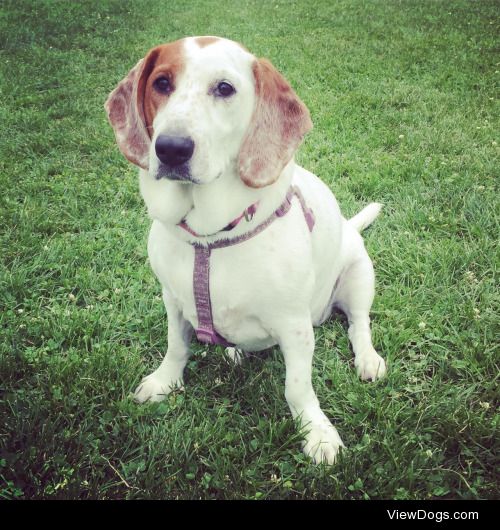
(192, 109)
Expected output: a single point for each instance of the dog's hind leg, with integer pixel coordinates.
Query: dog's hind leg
(354, 297)
(235, 355)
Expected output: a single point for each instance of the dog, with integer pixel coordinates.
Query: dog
(251, 249)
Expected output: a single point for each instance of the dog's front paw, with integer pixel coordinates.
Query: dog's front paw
(322, 443)
(154, 388)
(370, 366)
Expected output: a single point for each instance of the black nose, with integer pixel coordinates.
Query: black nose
(174, 150)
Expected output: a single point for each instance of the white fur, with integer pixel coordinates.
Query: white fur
(271, 289)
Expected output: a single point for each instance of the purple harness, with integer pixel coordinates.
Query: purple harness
(201, 273)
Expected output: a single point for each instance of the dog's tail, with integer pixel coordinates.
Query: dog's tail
(366, 216)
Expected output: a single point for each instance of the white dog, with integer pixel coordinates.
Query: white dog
(251, 249)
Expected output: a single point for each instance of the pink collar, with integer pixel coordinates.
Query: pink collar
(248, 214)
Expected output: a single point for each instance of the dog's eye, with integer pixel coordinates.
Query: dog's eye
(224, 89)
(162, 85)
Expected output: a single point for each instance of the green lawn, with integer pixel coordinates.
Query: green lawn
(403, 99)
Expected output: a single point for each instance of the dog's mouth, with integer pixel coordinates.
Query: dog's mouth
(180, 174)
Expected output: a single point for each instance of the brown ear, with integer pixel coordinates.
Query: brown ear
(125, 108)
(279, 122)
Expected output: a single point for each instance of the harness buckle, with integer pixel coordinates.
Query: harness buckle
(250, 212)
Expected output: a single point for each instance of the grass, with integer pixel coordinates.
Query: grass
(403, 98)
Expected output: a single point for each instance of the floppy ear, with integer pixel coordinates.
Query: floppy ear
(279, 122)
(125, 108)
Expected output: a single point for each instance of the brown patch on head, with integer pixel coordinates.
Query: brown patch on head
(134, 103)
(279, 122)
(206, 41)
(168, 62)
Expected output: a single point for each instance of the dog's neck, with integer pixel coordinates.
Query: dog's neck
(208, 208)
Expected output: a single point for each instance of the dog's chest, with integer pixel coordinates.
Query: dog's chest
(241, 293)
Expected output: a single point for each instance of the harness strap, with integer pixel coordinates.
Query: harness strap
(201, 287)
(201, 272)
